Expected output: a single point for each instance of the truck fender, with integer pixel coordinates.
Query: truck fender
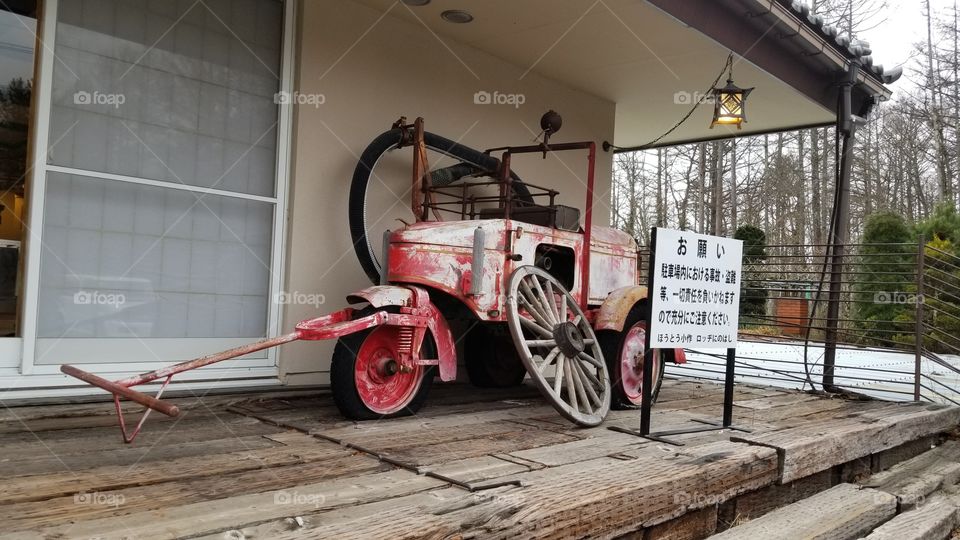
(381, 296)
(614, 310)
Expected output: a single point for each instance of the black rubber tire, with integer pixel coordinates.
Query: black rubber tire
(343, 386)
(361, 178)
(491, 358)
(611, 342)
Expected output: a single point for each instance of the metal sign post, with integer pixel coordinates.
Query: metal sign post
(693, 291)
(646, 391)
(728, 388)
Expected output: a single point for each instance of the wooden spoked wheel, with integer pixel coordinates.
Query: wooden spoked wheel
(552, 334)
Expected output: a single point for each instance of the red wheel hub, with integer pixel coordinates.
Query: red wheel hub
(631, 363)
(383, 385)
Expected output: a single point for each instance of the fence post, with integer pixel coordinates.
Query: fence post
(918, 324)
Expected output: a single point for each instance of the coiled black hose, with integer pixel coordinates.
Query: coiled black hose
(472, 162)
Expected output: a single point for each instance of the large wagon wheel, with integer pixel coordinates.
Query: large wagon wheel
(549, 329)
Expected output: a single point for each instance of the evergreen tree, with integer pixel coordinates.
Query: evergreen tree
(943, 224)
(753, 297)
(884, 276)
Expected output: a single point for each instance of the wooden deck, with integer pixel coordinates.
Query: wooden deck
(474, 463)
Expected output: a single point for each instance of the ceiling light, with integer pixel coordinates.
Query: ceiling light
(457, 16)
(416, 2)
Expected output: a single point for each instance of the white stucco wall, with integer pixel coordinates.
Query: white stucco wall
(368, 81)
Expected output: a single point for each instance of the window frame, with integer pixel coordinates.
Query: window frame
(259, 365)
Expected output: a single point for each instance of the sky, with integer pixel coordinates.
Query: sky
(903, 25)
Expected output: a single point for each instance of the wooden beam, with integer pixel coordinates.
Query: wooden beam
(842, 512)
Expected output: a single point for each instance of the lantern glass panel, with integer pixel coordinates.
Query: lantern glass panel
(731, 104)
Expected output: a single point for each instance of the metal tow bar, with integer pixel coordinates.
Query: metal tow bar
(331, 326)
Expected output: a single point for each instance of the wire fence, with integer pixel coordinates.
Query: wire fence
(893, 331)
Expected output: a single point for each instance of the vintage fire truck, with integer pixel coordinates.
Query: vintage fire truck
(492, 274)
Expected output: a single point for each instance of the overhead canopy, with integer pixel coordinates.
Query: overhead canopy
(654, 58)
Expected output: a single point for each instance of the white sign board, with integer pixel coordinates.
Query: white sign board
(695, 297)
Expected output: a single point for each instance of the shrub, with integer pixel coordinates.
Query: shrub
(753, 299)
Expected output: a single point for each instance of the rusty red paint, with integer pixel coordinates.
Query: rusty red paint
(446, 347)
(383, 386)
(587, 229)
(614, 310)
(129, 436)
(630, 363)
(435, 257)
(204, 360)
(417, 312)
(382, 295)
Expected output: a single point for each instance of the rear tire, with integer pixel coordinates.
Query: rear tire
(627, 382)
(491, 358)
(363, 391)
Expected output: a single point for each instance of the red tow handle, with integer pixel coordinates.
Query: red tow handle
(161, 406)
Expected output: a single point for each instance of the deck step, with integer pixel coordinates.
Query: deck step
(913, 480)
(933, 520)
(842, 512)
(818, 445)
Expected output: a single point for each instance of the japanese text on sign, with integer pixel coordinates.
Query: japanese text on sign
(695, 298)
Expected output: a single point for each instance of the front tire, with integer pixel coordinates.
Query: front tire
(624, 352)
(364, 383)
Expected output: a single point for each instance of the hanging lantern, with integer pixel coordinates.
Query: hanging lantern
(729, 104)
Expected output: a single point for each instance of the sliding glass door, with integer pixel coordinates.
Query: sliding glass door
(18, 26)
(163, 184)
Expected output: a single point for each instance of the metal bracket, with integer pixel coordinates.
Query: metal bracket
(721, 426)
(128, 437)
(660, 436)
(651, 436)
(473, 488)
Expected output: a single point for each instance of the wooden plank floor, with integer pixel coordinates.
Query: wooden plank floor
(487, 463)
